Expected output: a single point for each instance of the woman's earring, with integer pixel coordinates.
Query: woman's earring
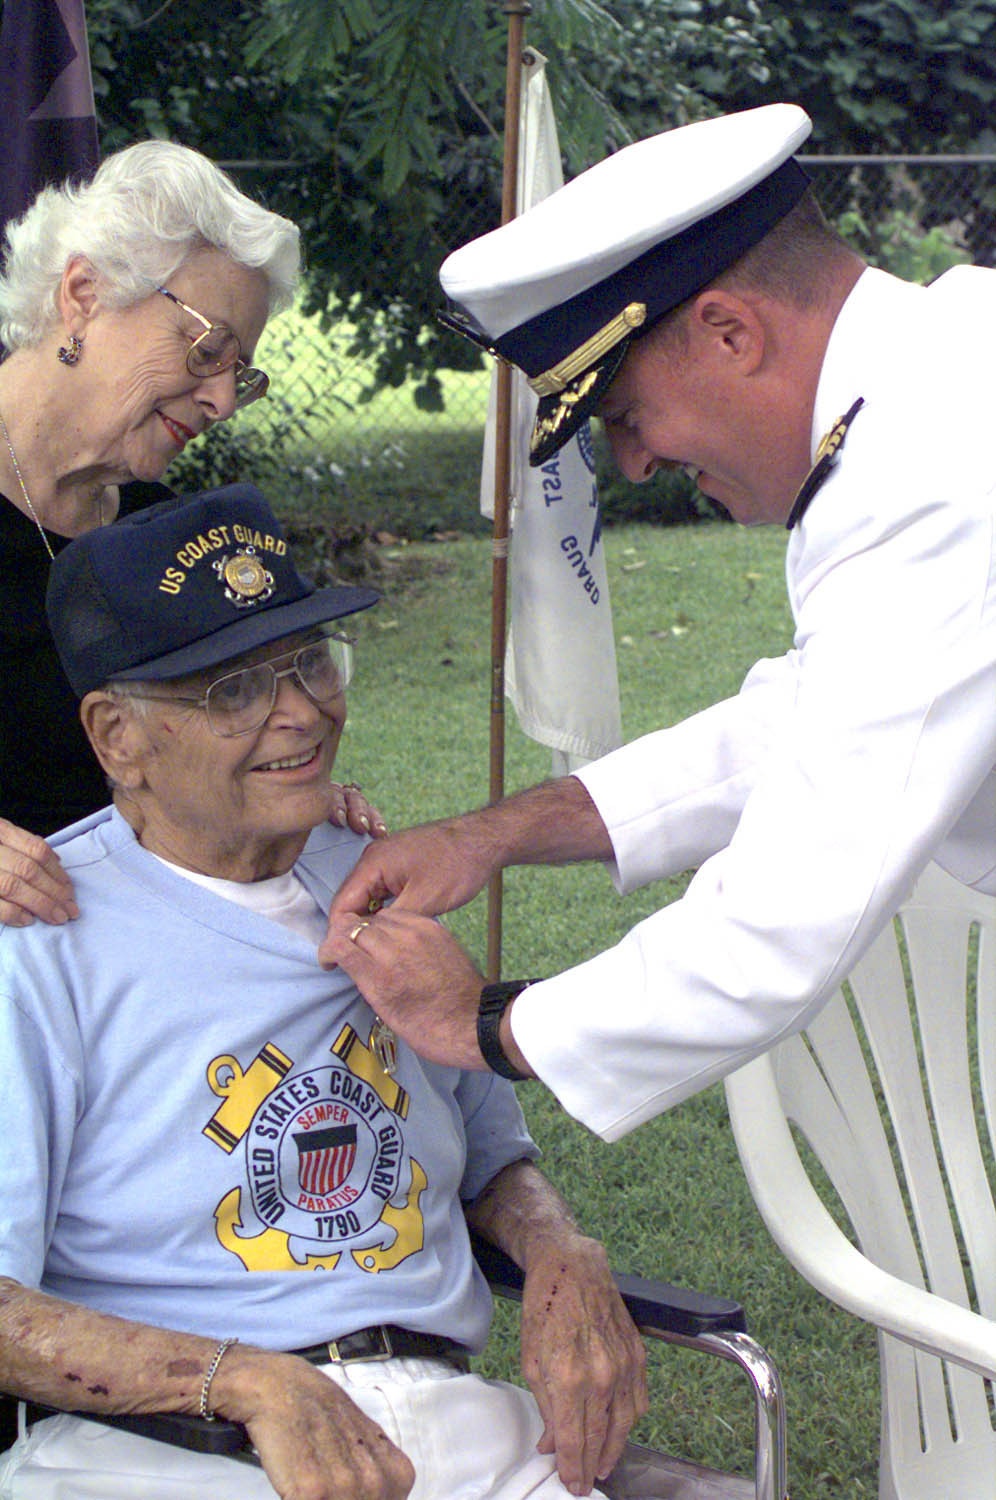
(71, 355)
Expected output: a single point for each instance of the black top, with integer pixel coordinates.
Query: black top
(48, 774)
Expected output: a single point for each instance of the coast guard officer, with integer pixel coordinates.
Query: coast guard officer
(689, 293)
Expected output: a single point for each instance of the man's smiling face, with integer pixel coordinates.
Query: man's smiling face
(687, 398)
(242, 806)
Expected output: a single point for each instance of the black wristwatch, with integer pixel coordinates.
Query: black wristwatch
(494, 1002)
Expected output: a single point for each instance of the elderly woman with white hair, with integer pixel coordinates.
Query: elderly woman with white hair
(130, 308)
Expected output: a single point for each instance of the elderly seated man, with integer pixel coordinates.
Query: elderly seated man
(225, 1188)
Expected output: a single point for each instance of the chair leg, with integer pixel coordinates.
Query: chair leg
(770, 1447)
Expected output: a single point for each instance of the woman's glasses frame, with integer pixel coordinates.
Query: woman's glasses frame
(250, 383)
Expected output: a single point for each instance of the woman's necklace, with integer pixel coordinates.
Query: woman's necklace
(98, 498)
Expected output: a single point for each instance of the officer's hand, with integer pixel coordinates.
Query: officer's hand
(430, 869)
(417, 978)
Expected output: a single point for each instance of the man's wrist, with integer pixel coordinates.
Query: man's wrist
(511, 1048)
(494, 1030)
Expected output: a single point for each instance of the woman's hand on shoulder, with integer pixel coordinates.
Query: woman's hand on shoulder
(350, 809)
(32, 880)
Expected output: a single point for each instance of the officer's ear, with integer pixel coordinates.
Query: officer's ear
(727, 328)
(116, 728)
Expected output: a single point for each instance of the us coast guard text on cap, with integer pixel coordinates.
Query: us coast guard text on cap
(219, 536)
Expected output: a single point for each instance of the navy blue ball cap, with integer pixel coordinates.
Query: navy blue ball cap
(186, 584)
(562, 291)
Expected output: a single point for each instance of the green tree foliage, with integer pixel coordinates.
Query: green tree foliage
(886, 75)
(386, 115)
(388, 118)
(875, 75)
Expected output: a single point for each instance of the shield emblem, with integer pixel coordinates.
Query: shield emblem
(325, 1158)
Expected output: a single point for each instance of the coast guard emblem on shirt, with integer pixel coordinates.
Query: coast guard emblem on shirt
(246, 581)
(323, 1161)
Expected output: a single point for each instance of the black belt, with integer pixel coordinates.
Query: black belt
(385, 1341)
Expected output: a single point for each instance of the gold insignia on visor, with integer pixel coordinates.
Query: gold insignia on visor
(246, 581)
(633, 316)
(546, 426)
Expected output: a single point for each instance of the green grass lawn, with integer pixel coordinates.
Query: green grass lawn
(694, 607)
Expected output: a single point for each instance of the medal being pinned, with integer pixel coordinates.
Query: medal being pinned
(384, 1046)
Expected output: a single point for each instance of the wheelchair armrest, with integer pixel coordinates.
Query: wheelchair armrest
(219, 1437)
(652, 1304)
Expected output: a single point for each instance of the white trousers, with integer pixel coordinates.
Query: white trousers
(468, 1439)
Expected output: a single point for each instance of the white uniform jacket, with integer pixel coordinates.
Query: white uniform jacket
(811, 801)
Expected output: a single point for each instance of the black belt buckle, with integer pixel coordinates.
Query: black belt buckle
(375, 1343)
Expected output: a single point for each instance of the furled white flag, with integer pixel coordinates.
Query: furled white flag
(560, 664)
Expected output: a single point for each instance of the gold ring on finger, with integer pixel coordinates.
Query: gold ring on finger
(355, 933)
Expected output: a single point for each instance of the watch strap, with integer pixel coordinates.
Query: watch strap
(494, 1002)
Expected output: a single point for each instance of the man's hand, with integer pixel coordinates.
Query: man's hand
(417, 978)
(430, 869)
(32, 880)
(582, 1357)
(313, 1441)
(440, 866)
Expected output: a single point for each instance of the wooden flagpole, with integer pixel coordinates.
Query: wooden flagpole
(517, 11)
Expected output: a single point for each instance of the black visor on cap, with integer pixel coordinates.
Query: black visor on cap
(559, 417)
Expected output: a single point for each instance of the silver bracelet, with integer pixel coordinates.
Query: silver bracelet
(204, 1410)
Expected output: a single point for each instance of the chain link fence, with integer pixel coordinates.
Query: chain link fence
(385, 462)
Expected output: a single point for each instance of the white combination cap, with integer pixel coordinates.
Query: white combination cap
(562, 291)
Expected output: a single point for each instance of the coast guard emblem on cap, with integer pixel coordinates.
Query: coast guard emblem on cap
(247, 581)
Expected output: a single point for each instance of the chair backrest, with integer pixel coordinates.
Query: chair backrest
(893, 1086)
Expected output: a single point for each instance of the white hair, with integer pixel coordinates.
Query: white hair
(145, 212)
(130, 692)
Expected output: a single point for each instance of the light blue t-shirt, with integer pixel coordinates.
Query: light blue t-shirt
(197, 1135)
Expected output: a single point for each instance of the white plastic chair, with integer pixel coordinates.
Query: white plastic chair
(899, 1105)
